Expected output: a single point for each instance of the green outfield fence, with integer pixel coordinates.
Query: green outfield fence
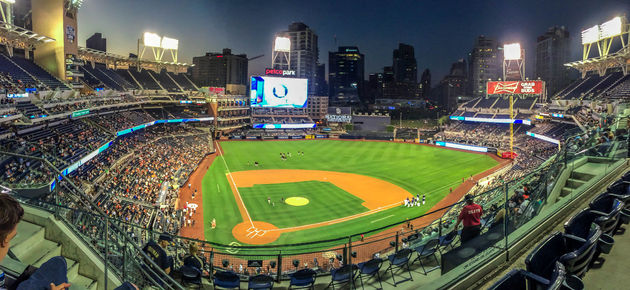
(118, 243)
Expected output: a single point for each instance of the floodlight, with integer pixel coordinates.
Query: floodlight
(8, 1)
(169, 43)
(512, 51)
(283, 44)
(610, 28)
(151, 39)
(590, 35)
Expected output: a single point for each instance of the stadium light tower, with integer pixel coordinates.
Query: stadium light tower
(513, 62)
(514, 70)
(603, 35)
(281, 55)
(158, 45)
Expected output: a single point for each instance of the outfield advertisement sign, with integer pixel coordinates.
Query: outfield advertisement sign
(491, 120)
(284, 126)
(149, 124)
(543, 137)
(515, 88)
(461, 146)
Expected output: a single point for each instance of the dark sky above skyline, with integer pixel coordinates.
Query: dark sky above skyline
(440, 31)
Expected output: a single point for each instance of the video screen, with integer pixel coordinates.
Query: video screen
(275, 92)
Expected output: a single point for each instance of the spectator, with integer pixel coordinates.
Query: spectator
(157, 252)
(193, 259)
(471, 217)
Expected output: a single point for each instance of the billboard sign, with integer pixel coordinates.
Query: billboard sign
(515, 87)
(279, 72)
(276, 92)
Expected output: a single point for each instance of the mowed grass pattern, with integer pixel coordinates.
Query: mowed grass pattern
(326, 202)
(416, 168)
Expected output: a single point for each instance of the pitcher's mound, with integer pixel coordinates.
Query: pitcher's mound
(297, 201)
(258, 234)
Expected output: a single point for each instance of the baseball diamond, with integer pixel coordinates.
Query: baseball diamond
(341, 187)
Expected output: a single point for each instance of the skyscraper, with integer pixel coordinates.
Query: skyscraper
(486, 62)
(552, 52)
(321, 87)
(304, 55)
(452, 88)
(345, 76)
(425, 81)
(96, 41)
(405, 65)
(220, 69)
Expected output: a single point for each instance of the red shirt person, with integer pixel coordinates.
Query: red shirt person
(470, 216)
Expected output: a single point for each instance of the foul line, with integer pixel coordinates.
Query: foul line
(391, 215)
(234, 183)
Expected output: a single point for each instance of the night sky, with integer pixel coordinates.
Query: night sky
(440, 31)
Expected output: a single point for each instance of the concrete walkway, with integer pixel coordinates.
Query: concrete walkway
(613, 273)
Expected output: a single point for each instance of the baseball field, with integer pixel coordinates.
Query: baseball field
(323, 189)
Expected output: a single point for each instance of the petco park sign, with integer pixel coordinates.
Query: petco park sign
(528, 88)
(279, 72)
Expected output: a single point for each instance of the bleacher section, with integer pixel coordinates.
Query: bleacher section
(145, 79)
(183, 81)
(166, 82)
(96, 76)
(39, 73)
(486, 103)
(18, 74)
(29, 110)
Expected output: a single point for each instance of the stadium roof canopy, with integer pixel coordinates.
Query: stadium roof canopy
(13, 36)
(120, 61)
(619, 59)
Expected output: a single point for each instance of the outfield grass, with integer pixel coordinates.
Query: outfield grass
(418, 169)
(326, 202)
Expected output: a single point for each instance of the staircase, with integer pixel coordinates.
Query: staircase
(32, 248)
(41, 236)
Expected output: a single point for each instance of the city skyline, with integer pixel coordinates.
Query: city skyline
(247, 27)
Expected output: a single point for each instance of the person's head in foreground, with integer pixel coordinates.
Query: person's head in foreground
(11, 213)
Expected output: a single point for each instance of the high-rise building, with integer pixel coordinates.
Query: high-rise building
(374, 88)
(452, 88)
(96, 41)
(405, 65)
(486, 62)
(304, 53)
(552, 52)
(425, 81)
(220, 69)
(345, 76)
(321, 87)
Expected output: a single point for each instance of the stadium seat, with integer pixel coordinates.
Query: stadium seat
(446, 241)
(573, 252)
(621, 190)
(190, 275)
(343, 275)
(400, 260)
(304, 278)
(226, 280)
(260, 282)
(519, 279)
(428, 250)
(608, 207)
(370, 268)
(580, 224)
